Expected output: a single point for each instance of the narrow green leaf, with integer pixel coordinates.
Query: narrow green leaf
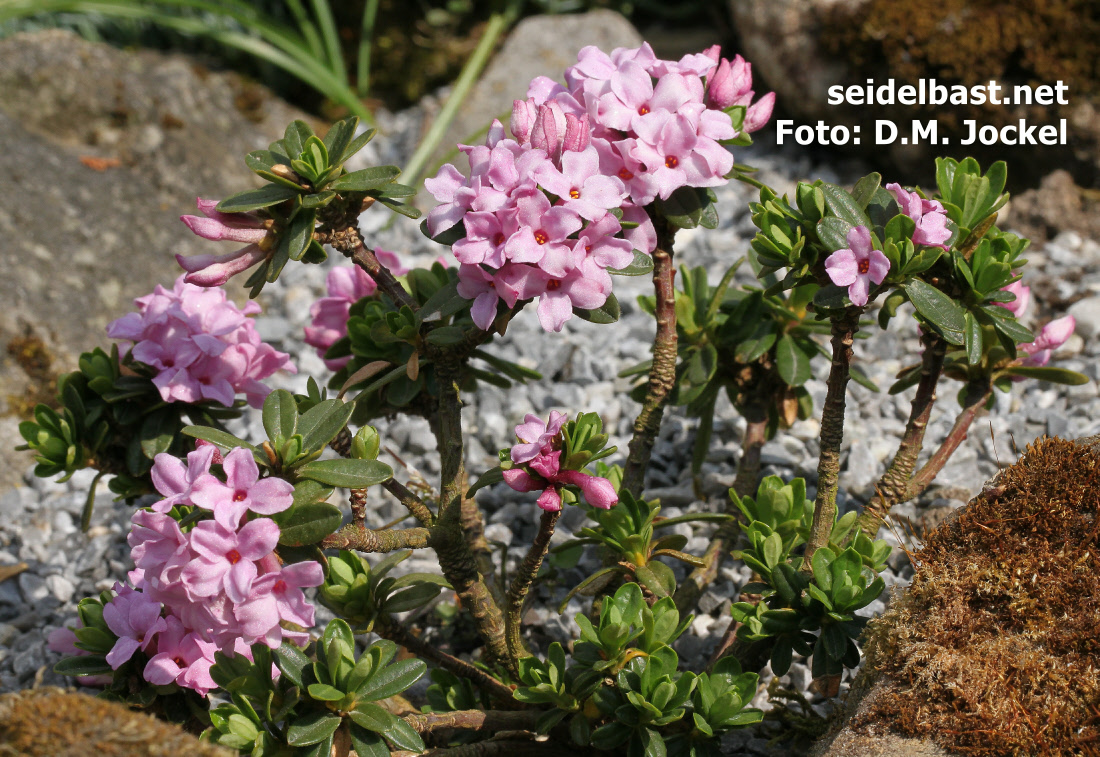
(939, 309)
(609, 312)
(280, 414)
(254, 199)
(311, 728)
(366, 179)
(307, 523)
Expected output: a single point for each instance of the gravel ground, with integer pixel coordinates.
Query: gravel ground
(38, 523)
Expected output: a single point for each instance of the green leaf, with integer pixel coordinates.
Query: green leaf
(295, 137)
(488, 478)
(297, 237)
(609, 312)
(641, 265)
(367, 743)
(312, 728)
(280, 414)
(773, 550)
(307, 523)
(865, 189)
(338, 137)
(833, 232)
(352, 474)
(792, 363)
(939, 309)
(392, 680)
(158, 430)
(222, 439)
(366, 179)
(325, 693)
(84, 665)
(973, 339)
(322, 422)
(1048, 373)
(254, 199)
(687, 208)
(844, 206)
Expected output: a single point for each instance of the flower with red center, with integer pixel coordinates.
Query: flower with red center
(226, 560)
(857, 266)
(582, 186)
(242, 490)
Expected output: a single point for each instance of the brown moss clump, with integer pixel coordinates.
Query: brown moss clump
(996, 645)
(52, 722)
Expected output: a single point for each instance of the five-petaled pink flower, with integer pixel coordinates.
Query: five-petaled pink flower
(858, 266)
(242, 491)
(226, 560)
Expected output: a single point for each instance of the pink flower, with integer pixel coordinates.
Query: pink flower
(183, 658)
(174, 481)
(536, 436)
(278, 596)
(1051, 337)
(542, 235)
(1023, 298)
(676, 156)
(537, 466)
(759, 113)
(486, 290)
(158, 547)
(226, 559)
(216, 270)
(346, 286)
(242, 491)
(581, 186)
(929, 215)
(135, 619)
(857, 266)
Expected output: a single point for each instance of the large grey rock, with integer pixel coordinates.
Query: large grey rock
(81, 243)
(538, 46)
(781, 40)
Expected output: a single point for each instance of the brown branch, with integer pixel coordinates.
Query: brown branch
(477, 722)
(748, 470)
(844, 329)
(350, 242)
(448, 538)
(411, 502)
(355, 536)
(977, 394)
(401, 635)
(662, 374)
(890, 489)
(522, 581)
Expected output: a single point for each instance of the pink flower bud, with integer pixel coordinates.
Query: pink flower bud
(216, 270)
(759, 113)
(578, 133)
(523, 116)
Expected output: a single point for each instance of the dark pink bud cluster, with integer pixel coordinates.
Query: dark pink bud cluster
(537, 466)
(202, 346)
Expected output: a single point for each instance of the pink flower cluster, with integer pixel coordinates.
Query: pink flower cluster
(537, 466)
(218, 587)
(248, 228)
(929, 215)
(346, 286)
(537, 209)
(202, 346)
